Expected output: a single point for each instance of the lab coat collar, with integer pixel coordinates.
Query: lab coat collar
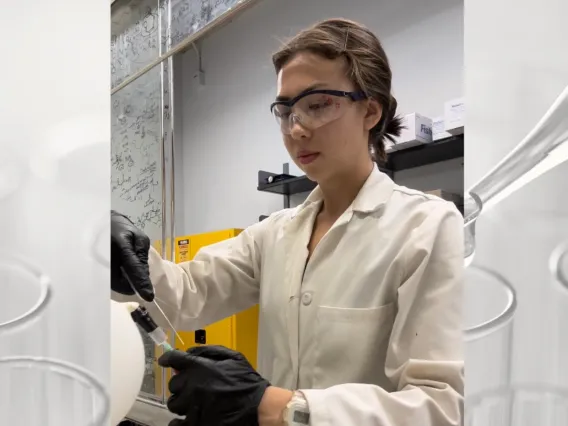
(374, 194)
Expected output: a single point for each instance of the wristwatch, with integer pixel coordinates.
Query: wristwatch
(297, 412)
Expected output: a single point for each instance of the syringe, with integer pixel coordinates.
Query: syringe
(142, 317)
(125, 275)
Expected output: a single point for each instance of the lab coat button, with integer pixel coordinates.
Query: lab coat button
(306, 299)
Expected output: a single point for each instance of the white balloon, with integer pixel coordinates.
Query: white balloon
(127, 362)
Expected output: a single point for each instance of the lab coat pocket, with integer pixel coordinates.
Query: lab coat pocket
(351, 345)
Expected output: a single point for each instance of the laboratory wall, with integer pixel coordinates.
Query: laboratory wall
(225, 132)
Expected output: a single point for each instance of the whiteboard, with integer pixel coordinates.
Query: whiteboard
(138, 109)
(135, 36)
(136, 171)
(189, 16)
(136, 125)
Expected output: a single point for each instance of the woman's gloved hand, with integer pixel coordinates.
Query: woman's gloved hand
(213, 386)
(129, 251)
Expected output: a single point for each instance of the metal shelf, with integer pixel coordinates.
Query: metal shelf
(421, 155)
(430, 153)
(288, 186)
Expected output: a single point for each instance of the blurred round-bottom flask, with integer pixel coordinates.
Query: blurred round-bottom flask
(519, 405)
(559, 265)
(37, 391)
(25, 295)
(489, 307)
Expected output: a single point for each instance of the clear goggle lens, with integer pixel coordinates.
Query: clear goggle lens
(311, 111)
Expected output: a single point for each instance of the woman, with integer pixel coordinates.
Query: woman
(359, 287)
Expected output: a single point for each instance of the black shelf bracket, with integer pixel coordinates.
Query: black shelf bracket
(284, 184)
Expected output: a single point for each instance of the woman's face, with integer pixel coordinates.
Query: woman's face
(335, 148)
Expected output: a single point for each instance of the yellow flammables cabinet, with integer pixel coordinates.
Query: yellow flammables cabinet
(238, 332)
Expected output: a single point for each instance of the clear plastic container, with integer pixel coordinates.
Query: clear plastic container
(520, 405)
(36, 391)
(490, 305)
(26, 292)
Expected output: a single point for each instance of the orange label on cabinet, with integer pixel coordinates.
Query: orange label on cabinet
(183, 251)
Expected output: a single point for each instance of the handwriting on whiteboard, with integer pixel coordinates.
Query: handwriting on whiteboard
(190, 16)
(136, 36)
(136, 180)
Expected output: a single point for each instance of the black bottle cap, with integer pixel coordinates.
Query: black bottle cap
(142, 317)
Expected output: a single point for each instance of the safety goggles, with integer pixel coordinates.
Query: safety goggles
(313, 109)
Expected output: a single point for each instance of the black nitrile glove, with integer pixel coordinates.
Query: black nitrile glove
(129, 251)
(213, 386)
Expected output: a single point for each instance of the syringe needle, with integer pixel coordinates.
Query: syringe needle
(155, 303)
(169, 323)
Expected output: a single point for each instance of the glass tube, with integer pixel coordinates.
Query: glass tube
(544, 148)
(36, 391)
(490, 304)
(26, 292)
(520, 405)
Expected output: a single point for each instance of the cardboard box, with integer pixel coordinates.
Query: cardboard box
(438, 129)
(454, 116)
(417, 131)
(448, 196)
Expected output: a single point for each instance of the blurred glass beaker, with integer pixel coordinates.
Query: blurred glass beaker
(490, 304)
(36, 391)
(559, 265)
(26, 292)
(519, 405)
(558, 316)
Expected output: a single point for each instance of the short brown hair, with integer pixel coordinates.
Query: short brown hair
(368, 69)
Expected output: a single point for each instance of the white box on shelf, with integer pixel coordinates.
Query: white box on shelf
(438, 129)
(454, 116)
(417, 131)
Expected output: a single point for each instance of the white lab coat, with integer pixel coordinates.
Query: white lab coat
(370, 329)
